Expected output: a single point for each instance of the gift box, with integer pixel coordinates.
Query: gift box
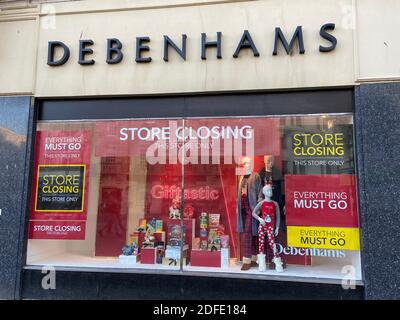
(203, 258)
(225, 257)
(148, 256)
(129, 259)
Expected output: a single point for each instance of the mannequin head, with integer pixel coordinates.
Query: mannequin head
(247, 165)
(267, 192)
(269, 162)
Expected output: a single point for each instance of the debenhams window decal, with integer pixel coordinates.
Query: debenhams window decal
(115, 54)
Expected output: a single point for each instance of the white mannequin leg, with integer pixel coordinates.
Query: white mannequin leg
(261, 262)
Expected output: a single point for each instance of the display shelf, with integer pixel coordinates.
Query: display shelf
(292, 271)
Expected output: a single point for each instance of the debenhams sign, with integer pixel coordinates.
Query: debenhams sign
(115, 54)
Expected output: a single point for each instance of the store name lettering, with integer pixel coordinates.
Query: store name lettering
(313, 252)
(115, 54)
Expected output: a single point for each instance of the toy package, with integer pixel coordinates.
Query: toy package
(142, 225)
(224, 241)
(176, 234)
(213, 220)
(203, 220)
(159, 225)
(196, 243)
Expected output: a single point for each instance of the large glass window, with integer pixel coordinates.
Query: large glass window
(251, 196)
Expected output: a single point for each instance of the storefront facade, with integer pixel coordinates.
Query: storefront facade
(199, 149)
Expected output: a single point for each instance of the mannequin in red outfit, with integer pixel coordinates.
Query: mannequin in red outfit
(268, 215)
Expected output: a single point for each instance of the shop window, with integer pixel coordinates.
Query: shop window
(251, 196)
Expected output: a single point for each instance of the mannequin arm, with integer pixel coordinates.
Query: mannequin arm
(278, 218)
(256, 211)
(259, 187)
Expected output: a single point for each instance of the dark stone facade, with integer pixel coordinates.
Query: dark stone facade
(16, 119)
(377, 125)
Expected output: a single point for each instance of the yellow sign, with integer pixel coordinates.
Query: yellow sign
(324, 238)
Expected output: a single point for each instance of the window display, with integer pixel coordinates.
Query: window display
(245, 196)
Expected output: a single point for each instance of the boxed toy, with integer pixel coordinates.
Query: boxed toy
(203, 244)
(213, 220)
(142, 225)
(189, 230)
(196, 243)
(224, 241)
(159, 225)
(176, 234)
(160, 253)
(214, 244)
(203, 220)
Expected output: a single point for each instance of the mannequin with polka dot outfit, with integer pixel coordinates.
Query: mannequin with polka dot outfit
(268, 214)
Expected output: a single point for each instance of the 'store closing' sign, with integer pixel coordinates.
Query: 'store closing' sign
(60, 188)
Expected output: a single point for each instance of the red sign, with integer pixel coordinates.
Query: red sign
(201, 138)
(67, 230)
(321, 200)
(60, 183)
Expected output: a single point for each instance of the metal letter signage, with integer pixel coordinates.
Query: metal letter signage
(115, 54)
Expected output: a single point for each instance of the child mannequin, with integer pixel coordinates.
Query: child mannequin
(268, 215)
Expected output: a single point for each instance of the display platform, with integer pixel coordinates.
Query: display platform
(326, 272)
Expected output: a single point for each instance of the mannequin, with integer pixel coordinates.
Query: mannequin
(267, 213)
(249, 193)
(273, 176)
